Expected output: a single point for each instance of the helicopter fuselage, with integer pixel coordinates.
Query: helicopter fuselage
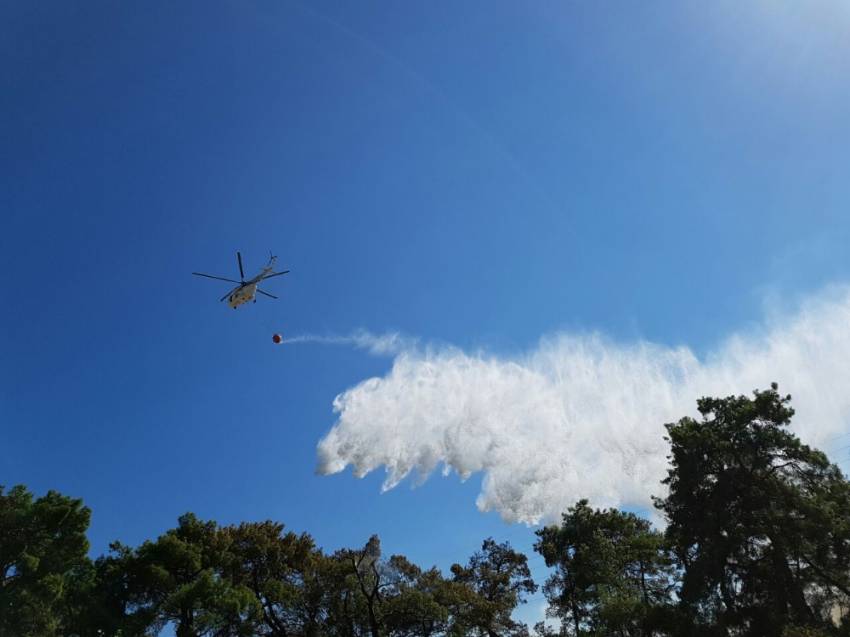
(248, 291)
(242, 295)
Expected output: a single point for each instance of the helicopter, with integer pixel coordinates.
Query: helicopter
(246, 290)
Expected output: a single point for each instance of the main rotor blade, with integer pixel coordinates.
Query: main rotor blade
(239, 258)
(266, 293)
(231, 292)
(210, 276)
(275, 274)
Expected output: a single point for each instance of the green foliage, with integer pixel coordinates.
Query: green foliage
(419, 600)
(803, 631)
(284, 572)
(612, 572)
(500, 578)
(758, 520)
(178, 579)
(100, 598)
(42, 542)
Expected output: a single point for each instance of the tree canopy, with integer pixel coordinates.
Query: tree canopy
(757, 543)
(42, 544)
(759, 522)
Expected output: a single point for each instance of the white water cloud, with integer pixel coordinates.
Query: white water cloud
(580, 415)
(387, 344)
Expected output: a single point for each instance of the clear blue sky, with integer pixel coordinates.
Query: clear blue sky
(474, 173)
